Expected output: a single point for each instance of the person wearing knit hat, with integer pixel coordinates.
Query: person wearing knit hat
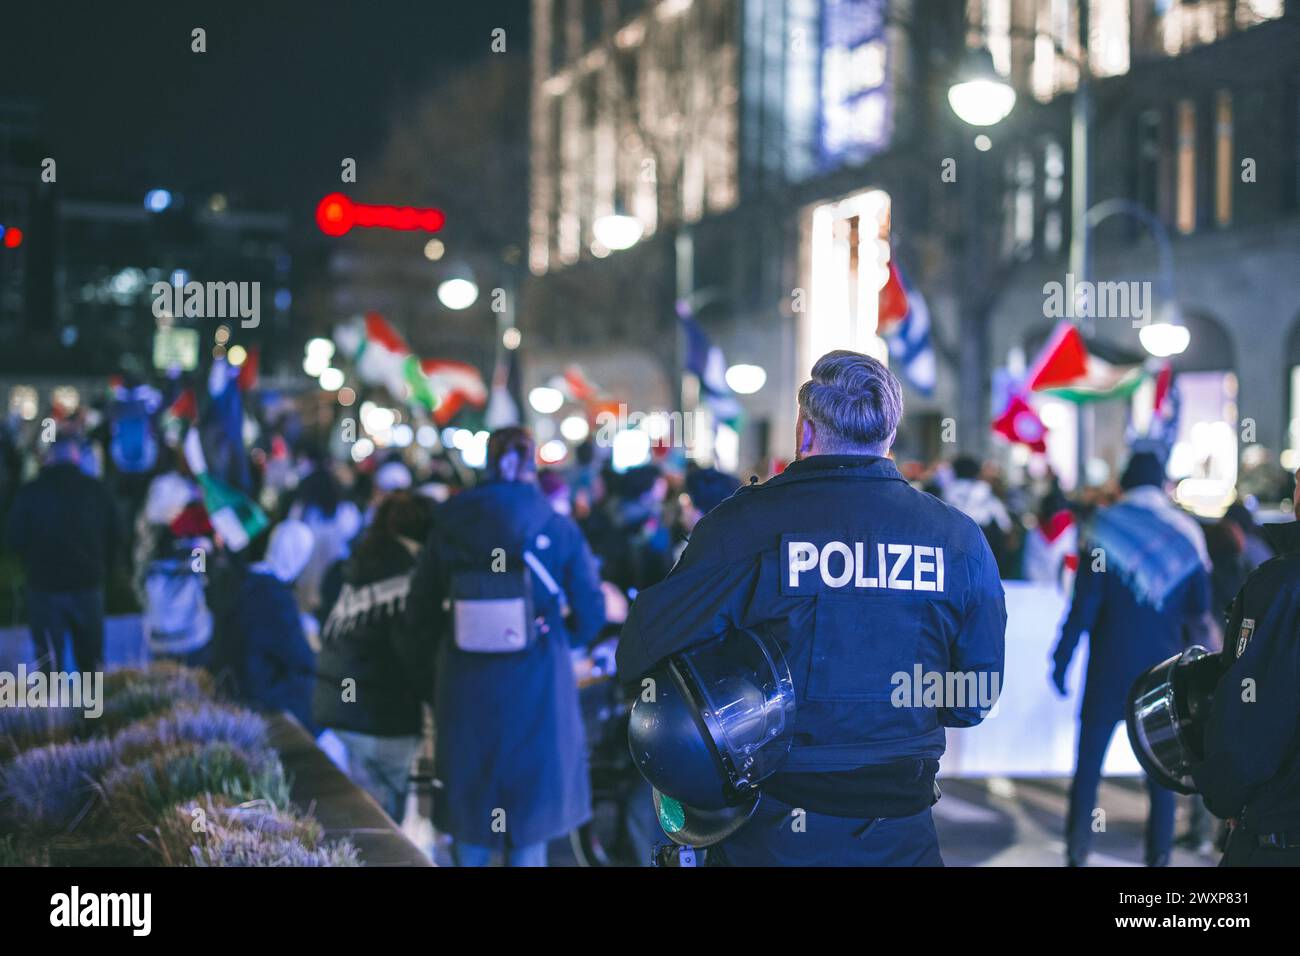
(1143, 468)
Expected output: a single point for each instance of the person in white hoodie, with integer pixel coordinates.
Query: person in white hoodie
(173, 537)
(333, 521)
(974, 497)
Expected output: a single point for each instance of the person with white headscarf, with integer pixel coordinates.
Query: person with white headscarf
(264, 652)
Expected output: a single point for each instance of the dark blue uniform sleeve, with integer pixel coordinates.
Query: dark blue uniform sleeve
(981, 644)
(1256, 701)
(1198, 623)
(701, 598)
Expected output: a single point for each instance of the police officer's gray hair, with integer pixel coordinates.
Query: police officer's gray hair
(855, 401)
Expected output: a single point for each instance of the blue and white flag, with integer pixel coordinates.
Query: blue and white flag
(904, 323)
(706, 361)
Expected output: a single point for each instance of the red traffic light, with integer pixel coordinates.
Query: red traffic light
(337, 214)
(13, 237)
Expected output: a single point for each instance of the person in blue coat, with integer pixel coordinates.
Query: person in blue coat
(1250, 773)
(890, 613)
(510, 754)
(1142, 594)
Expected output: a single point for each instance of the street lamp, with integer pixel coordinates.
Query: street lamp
(617, 231)
(979, 95)
(546, 400)
(457, 294)
(458, 289)
(745, 379)
(1163, 339)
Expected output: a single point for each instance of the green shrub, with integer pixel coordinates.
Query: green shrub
(135, 795)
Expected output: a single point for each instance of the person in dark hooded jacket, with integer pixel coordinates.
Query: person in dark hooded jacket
(510, 753)
(1142, 594)
(363, 691)
(262, 651)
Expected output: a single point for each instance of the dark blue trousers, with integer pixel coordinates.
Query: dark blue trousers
(54, 616)
(1094, 737)
(777, 836)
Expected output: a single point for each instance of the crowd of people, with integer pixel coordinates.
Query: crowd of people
(377, 590)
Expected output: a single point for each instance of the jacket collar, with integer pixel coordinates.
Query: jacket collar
(1284, 537)
(838, 466)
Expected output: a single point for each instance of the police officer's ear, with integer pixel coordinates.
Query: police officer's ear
(805, 433)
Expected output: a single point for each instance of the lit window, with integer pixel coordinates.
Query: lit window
(1224, 167)
(1108, 37)
(1186, 167)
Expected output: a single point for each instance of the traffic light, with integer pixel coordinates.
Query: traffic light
(12, 237)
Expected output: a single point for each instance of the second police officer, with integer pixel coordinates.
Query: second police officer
(1251, 745)
(876, 593)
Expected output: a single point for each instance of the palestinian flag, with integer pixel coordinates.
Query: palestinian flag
(452, 385)
(1079, 371)
(214, 451)
(179, 416)
(1019, 423)
(578, 387)
(382, 357)
(234, 516)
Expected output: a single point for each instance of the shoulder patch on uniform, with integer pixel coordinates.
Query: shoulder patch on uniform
(1247, 631)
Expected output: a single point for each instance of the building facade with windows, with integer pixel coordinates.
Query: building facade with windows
(777, 156)
(1195, 130)
(718, 128)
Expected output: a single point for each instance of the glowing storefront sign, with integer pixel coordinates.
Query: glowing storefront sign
(855, 121)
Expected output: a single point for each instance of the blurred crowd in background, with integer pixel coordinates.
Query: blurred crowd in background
(263, 576)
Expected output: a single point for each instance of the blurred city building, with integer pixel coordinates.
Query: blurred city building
(1195, 131)
(462, 147)
(762, 163)
(77, 294)
(26, 218)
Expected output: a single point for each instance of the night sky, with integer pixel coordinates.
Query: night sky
(285, 90)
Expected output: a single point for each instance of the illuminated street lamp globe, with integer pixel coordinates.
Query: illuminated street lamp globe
(1163, 339)
(745, 379)
(457, 293)
(979, 95)
(546, 400)
(617, 231)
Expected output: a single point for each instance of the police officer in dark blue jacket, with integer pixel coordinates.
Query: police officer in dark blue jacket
(889, 608)
(1251, 744)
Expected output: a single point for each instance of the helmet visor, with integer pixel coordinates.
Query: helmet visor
(747, 702)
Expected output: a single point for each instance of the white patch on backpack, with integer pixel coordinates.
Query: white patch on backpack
(543, 542)
(1247, 630)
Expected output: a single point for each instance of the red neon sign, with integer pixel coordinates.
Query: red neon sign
(337, 214)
